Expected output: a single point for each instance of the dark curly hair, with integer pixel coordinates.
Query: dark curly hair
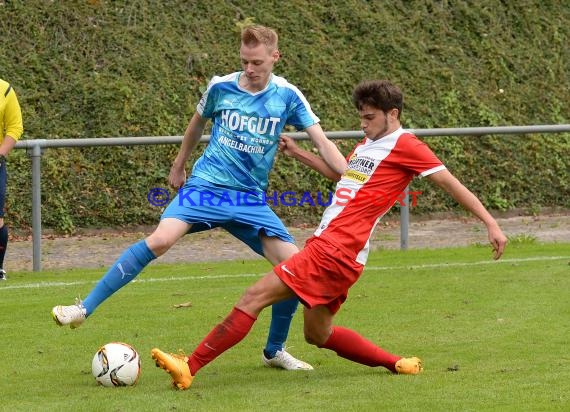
(381, 94)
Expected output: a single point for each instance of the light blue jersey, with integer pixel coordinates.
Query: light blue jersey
(246, 128)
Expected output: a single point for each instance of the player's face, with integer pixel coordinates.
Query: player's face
(376, 124)
(257, 63)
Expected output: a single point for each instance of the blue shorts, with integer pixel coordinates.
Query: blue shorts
(3, 181)
(244, 214)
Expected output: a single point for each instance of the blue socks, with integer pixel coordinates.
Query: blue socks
(281, 317)
(126, 268)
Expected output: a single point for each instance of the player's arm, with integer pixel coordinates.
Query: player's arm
(327, 149)
(469, 201)
(288, 147)
(192, 136)
(7, 144)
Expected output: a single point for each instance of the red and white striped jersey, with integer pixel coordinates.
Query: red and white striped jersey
(377, 176)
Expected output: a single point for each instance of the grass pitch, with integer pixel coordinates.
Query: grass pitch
(492, 335)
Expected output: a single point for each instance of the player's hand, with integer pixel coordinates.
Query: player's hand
(176, 177)
(287, 145)
(498, 241)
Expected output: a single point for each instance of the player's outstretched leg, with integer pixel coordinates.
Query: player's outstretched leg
(176, 366)
(352, 346)
(274, 355)
(126, 268)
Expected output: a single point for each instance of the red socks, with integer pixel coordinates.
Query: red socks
(345, 342)
(350, 345)
(231, 331)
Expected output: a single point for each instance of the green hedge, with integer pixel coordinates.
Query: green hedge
(137, 68)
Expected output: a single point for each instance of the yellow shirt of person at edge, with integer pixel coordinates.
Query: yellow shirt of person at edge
(10, 113)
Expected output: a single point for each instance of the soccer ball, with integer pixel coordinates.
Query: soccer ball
(116, 364)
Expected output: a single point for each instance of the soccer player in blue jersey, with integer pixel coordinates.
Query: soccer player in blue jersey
(248, 110)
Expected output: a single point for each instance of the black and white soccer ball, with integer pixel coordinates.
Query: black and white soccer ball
(116, 364)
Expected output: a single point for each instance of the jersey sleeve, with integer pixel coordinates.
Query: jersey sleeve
(207, 103)
(418, 158)
(13, 116)
(301, 115)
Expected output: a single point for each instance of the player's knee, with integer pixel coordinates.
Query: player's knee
(252, 301)
(315, 337)
(249, 296)
(159, 244)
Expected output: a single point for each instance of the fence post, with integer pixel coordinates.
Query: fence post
(35, 152)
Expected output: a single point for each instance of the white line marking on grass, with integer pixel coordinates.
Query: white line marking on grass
(38, 285)
(459, 264)
(205, 277)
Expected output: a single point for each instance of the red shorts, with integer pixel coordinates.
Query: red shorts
(320, 274)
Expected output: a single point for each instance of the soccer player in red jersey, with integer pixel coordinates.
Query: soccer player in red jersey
(379, 169)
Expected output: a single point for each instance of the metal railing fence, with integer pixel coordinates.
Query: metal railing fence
(35, 148)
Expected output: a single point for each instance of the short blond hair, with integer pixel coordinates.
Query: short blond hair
(256, 34)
